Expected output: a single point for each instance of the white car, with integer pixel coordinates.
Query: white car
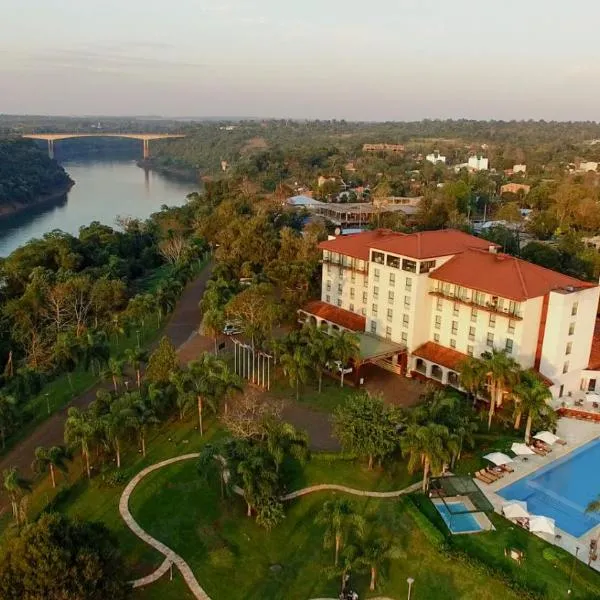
(231, 329)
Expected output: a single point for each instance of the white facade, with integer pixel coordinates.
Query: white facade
(478, 163)
(435, 158)
(588, 166)
(519, 169)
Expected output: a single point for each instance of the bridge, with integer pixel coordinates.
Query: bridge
(146, 138)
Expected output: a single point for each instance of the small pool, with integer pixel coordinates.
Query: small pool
(463, 522)
(563, 489)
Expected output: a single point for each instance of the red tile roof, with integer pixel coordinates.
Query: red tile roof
(440, 355)
(334, 314)
(424, 244)
(594, 362)
(503, 275)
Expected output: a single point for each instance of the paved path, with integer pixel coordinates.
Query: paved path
(174, 558)
(181, 327)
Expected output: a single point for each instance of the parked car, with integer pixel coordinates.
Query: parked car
(231, 329)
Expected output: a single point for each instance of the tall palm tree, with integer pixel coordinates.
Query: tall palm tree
(16, 487)
(376, 550)
(136, 357)
(320, 350)
(532, 397)
(284, 439)
(8, 415)
(203, 376)
(502, 371)
(144, 417)
(80, 431)
(296, 366)
(258, 477)
(345, 348)
(51, 459)
(114, 370)
(116, 423)
(472, 376)
(95, 350)
(340, 520)
(227, 382)
(428, 446)
(213, 322)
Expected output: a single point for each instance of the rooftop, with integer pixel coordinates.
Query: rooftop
(440, 355)
(424, 244)
(504, 275)
(335, 314)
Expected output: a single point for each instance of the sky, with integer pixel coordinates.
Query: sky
(369, 60)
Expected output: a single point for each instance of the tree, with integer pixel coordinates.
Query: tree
(203, 376)
(340, 520)
(136, 357)
(213, 322)
(366, 426)
(345, 348)
(472, 376)
(211, 462)
(296, 365)
(119, 419)
(376, 549)
(185, 398)
(8, 415)
(531, 397)
(144, 417)
(283, 439)
(114, 370)
(502, 371)
(16, 487)
(56, 558)
(258, 477)
(320, 350)
(51, 459)
(428, 446)
(163, 361)
(80, 431)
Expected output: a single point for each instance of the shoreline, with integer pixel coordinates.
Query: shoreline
(10, 210)
(178, 173)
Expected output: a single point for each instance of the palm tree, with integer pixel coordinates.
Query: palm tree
(340, 519)
(144, 418)
(203, 376)
(51, 459)
(16, 487)
(226, 383)
(80, 431)
(8, 414)
(345, 347)
(116, 422)
(136, 357)
(114, 370)
(211, 461)
(296, 365)
(532, 397)
(472, 376)
(502, 371)
(320, 350)
(259, 478)
(95, 350)
(429, 446)
(213, 322)
(375, 551)
(284, 439)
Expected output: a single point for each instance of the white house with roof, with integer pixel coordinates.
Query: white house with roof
(478, 163)
(435, 158)
(440, 296)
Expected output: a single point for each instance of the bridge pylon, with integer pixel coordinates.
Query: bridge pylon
(146, 149)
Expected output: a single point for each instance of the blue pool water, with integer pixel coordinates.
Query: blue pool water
(563, 489)
(460, 523)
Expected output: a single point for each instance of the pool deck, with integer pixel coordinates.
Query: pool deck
(576, 434)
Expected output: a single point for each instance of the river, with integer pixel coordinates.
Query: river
(103, 190)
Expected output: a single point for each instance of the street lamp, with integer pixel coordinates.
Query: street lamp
(48, 402)
(573, 571)
(410, 582)
(137, 332)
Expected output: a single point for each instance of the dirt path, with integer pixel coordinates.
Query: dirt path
(181, 327)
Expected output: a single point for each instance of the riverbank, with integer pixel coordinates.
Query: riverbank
(8, 210)
(177, 173)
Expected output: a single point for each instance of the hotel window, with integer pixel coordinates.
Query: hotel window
(438, 322)
(364, 297)
(339, 302)
(374, 309)
(375, 291)
(365, 282)
(353, 277)
(455, 309)
(340, 288)
(569, 348)
(378, 257)
(409, 265)
(393, 261)
(436, 338)
(452, 343)
(392, 279)
(408, 284)
(329, 286)
(426, 266)
(513, 307)
(352, 293)
(574, 308)
(471, 333)
(490, 340)
(390, 314)
(474, 315)
(454, 327)
(328, 299)
(439, 304)
(492, 322)
(390, 295)
(509, 345)
(511, 326)
(404, 320)
(363, 311)
(406, 301)
(479, 298)
(404, 337)
(388, 332)
(373, 326)
(351, 307)
(571, 328)
(469, 350)
(376, 274)
(327, 269)
(566, 367)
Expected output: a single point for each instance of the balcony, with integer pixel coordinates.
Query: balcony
(340, 263)
(485, 306)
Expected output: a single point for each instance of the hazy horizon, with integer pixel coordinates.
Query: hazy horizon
(403, 60)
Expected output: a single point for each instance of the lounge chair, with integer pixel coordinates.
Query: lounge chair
(485, 473)
(483, 478)
(538, 451)
(507, 469)
(561, 442)
(496, 472)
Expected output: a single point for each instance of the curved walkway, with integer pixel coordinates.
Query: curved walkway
(171, 557)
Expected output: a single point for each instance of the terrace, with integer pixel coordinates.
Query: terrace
(494, 305)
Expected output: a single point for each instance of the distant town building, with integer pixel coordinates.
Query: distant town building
(349, 166)
(383, 148)
(515, 188)
(519, 169)
(585, 167)
(478, 163)
(224, 165)
(435, 158)
(321, 181)
(398, 201)
(592, 242)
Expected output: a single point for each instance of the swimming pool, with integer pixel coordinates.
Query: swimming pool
(563, 489)
(458, 523)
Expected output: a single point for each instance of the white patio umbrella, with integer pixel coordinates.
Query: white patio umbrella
(546, 436)
(541, 524)
(516, 509)
(521, 449)
(498, 458)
